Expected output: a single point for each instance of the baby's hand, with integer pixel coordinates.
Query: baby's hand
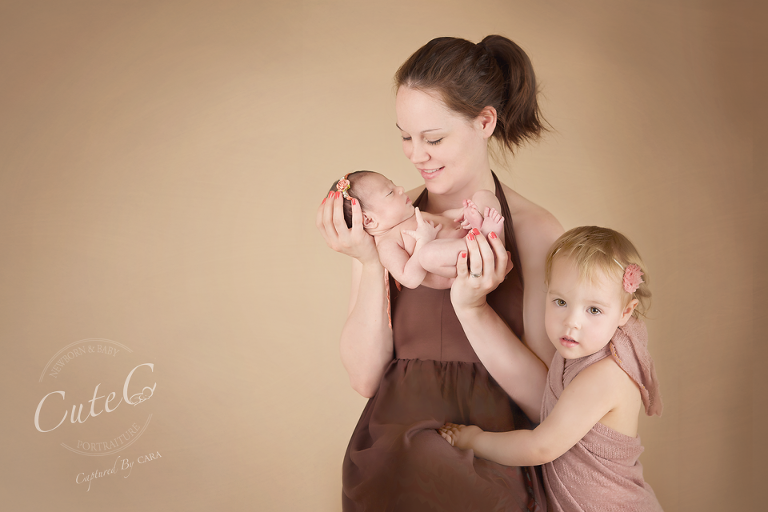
(460, 436)
(426, 231)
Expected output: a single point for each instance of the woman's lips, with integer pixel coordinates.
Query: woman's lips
(568, 342)
(429, 174)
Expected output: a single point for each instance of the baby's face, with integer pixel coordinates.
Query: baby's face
(581, 316)
(386, 203)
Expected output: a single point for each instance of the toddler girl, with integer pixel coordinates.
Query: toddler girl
(433, 242)
(599, 377)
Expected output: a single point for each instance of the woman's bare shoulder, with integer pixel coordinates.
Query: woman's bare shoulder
(535, 228)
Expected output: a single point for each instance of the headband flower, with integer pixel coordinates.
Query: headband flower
(633, 278)
(343, 185)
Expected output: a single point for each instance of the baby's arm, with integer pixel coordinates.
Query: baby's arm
(595, 392)
(405, 267)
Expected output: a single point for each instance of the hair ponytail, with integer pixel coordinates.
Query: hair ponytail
(469, 77)
(519, 118)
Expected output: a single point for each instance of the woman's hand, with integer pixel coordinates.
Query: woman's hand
(480, 269)
(460, 436)
(354, 241)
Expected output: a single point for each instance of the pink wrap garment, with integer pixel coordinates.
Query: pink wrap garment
(602, 471)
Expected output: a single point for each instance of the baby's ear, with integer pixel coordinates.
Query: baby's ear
(368, 221)
(628, 311)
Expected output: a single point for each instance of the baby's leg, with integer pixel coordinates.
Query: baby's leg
(472, 216)
(439, 256)
(486, 201)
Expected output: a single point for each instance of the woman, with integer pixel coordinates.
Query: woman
(453, 96)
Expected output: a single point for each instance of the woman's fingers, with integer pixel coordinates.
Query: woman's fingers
(503, 262)
(357, 216)
(475, 257)
(338, 214)
(325, 223)
(461, 267)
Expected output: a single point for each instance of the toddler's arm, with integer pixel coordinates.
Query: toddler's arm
(595, 392)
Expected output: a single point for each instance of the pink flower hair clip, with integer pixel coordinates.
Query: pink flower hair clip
(343, 186)
(633, 278)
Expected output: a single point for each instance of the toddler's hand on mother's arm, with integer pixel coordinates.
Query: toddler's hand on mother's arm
(354, 241)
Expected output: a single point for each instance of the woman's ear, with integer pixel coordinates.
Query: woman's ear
(628, 311)
(486, 121)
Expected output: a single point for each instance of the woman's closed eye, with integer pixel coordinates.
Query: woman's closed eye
(435, 142)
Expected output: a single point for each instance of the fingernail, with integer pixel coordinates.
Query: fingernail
(470, 236)
(336, 194)
(354, 201)
(463, 255)
(324, 201)
(492, 236)
(330, 194)
(475, 231)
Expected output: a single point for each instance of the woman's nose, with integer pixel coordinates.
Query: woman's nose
(418, 152)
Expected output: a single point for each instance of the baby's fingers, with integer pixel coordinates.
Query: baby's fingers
(419, 218)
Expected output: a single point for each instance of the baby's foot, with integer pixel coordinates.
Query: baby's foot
(472, 216)
(493, 221)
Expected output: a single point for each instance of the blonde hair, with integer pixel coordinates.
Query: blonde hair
(594, 248)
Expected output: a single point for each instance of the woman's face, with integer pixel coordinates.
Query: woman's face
(450, 151)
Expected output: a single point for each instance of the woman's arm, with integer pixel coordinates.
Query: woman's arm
(366, 339)
(518, 371)
(535, 230)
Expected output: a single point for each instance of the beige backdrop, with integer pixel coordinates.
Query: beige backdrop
(161, 163)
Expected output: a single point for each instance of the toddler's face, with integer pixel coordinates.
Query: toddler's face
(385, 203)
(581, 316)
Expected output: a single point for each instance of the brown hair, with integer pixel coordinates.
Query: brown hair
(354, 178)
(594, 248)
(469, 77)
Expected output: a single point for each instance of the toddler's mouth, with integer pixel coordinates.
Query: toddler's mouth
(568, 342)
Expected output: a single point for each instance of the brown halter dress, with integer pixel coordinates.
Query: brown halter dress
(396, 460)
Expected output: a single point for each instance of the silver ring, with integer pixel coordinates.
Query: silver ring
(476, 275)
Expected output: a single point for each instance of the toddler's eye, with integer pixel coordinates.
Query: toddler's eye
(435, 142)
(594, 311)
(560, 302)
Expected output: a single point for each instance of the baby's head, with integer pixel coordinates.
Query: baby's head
(594, 285)
(384, 205)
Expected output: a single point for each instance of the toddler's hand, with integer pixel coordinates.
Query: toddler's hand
(460, 436)
(426, 231)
